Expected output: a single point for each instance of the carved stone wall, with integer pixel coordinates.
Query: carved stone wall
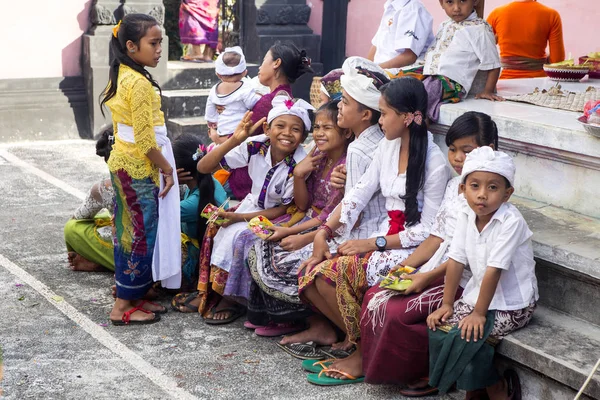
(104, 14)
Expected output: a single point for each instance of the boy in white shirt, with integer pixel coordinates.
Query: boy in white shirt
(405, 32)
(494, 241)
(234, 95)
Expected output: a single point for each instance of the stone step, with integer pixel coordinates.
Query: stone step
(190, 125)
(184, 103)
(188, 75)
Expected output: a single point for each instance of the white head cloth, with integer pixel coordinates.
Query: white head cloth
(284, 105)
(486, 159)
(223, 69)
(359, 86)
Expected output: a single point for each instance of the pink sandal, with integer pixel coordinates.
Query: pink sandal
(279, 329)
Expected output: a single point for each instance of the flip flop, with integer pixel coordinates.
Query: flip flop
(337, 353)
(324, 380)
(236, 312)
(419, 392)
(316, 366)
(183, 300)
(126, 319)
(163, 311)
(194, 60)
(303, 351)
(513, 384)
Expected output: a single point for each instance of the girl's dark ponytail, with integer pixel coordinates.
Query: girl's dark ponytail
(133, 27)
(408, 95)
(294, 62)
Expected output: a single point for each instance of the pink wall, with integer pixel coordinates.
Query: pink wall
(579, 17)
(42, 39)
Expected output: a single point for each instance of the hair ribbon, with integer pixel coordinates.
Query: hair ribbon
(116, 29)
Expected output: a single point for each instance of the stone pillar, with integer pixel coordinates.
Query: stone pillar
(264, 22)
(104, 14)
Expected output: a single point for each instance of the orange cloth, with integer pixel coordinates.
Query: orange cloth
(524, 29)
(222, 176)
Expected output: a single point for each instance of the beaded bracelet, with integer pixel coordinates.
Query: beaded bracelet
(165, 174)
(329, 231)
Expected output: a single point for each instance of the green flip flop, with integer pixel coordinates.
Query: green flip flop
(323, 380)
(316, 366)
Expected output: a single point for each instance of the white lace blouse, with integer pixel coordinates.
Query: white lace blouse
(100, 196)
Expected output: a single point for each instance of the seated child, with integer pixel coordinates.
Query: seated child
(405, 32)
(541, 26)
(270, 159)
(393, 324)
(493, 239)
(463, 45)
(234, 96)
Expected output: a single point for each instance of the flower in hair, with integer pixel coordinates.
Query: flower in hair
(289, 103)
(116, 29)
(417, 117)
(306, 61)
(200, 152)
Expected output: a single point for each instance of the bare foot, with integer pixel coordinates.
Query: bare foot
(218, 314)
(419, 384)
(147, 305)
(351, 365)
(320, 331)
(78, 263)
(345, 345)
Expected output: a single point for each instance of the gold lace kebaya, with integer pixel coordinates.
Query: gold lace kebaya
(136, 104)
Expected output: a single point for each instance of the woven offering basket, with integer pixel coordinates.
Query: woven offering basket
(573, 73)
(315, 92)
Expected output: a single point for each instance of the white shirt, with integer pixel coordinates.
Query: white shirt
(405, 24)
(272, 185)
(358, 158)
(461, 49)
(504, 243)
(236, 104)
(444, 226)
(383, 175)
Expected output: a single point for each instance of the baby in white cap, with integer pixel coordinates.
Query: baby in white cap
(229, 99)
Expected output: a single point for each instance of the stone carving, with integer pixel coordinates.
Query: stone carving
(262, 17)
(284, 15)
(301, 14)
(100, 15)
(158, 13)
(128, 10)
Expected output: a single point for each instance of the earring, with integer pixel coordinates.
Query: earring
(132, 51)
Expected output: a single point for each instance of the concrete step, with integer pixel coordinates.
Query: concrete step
(188, 75)
(184, 103)
(190, 125)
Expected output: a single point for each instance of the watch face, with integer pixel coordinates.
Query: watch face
(380, 242)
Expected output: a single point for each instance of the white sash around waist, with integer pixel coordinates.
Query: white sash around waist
(166, 262)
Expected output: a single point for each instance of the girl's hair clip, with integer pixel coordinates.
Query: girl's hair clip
(115, 30)
(200, 152)
(111, 139)
(306, 61)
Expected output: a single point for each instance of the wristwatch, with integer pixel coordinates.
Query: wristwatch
(380, 242)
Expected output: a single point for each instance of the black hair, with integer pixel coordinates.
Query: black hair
(294, 62)
(331, 109)
(379, 80)
(184, 148)
(409, 95)
(133, 27)
(105, 142)
(473, 123)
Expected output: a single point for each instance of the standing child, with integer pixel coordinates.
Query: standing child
(281, 66)
(141, 166)
(234, 94)
(493, 239)
(463, 45)
(393, 324)
(405, 32)
(270, 159)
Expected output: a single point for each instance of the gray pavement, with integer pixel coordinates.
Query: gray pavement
(54, 332)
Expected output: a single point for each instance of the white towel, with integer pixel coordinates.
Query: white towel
(166, 262)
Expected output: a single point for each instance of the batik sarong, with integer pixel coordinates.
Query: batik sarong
(198, 22)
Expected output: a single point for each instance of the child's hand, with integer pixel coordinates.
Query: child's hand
(220, 109)
(295, 242)
(419, 282)
(213, 134)
(245, 129)
(439, 316)
(309, 164)
(489, 96)
(279, 232)
(474, 323)
(338, 177)
(231, 218)
(320, 253)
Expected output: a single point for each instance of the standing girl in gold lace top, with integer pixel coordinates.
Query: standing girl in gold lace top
(141, 167)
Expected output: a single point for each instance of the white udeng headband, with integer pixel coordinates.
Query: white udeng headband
(358, 86)
(486, 159)
(283, 105)
(223, 69)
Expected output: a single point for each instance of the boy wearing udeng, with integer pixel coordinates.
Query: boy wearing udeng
(494, 240)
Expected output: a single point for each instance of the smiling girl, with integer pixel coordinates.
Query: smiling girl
(141, 167)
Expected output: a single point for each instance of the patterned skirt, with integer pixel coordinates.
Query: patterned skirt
(136, 225)
(348, 275)
(211, 279)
